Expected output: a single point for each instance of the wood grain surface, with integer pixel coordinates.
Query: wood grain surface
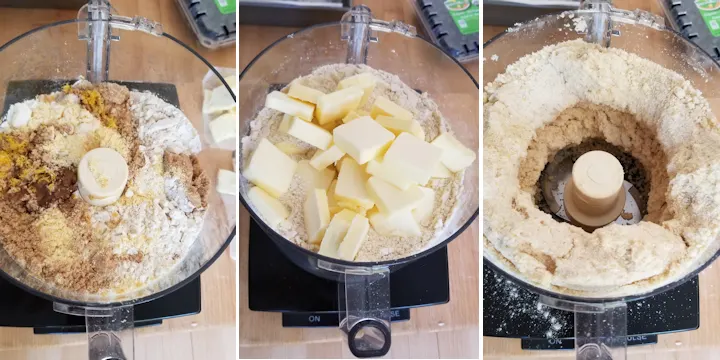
(448, 330)
(701, 344)
(181, 338)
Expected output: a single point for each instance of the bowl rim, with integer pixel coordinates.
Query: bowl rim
(353, 264)
(591, 300)
(156, 295)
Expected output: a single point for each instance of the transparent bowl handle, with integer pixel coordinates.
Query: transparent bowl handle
(110, 330)
(600, 329)
(365, 311)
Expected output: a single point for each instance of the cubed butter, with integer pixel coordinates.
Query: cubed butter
(397, 125)
(417, 158)
(355, 237)
(383, 106)
(424, 209)
(304, 93)
(390, 174)
(309, 133)
(231, 80)
(354, 115)
(441, 172)
(366, 81)
(290, 148)
(285, 123)
(455, 155)
(285, 104)
(363, 139)
(317, 215)
(226, 182)
(323, 158)
(399, 224)
(224, 127)
(335, 233)
(220, 100)
(333, 206)
(334, 106)
(313, 178)
(390, 200)
(268, 207)
(270, 169)
(331, 126)
(351, 187)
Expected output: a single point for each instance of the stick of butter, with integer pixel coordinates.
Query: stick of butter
(335, 233)
(390, 200)
(334, 106)
(309, 133)
(366, 81)
(285, 104)
(304, 93)
(455, 155)
(316, 214)
(383, 106)
(323, 159)
(270, 169)
(363, 139)
(350, 187)
(269, 208)
(356, 235)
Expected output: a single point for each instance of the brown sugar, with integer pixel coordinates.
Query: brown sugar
(193, 177)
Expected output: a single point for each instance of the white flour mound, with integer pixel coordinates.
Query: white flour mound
(613, 260)
(425, 111)
(154, 217)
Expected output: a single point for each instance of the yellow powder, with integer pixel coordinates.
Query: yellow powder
(56, 236)
(107, 138)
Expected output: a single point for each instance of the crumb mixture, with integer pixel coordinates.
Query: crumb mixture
(376, 247)
(568, 93)
(100, 250)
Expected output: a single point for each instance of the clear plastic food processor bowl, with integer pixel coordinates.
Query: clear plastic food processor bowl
(393, 47)
(601, 323)
(102, 46)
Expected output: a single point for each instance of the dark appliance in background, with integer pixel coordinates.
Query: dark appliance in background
(293, 13)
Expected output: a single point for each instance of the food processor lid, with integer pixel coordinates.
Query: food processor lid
(100, 26)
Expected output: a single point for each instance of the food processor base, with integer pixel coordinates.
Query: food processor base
(513, 311)
(275, 284)
(19, 308)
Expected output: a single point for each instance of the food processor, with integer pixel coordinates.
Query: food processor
(394, 47)
(601, 323)
(100, 45)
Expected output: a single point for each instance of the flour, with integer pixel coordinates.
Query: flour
(529, 98)
(425, 111)
(154, 217)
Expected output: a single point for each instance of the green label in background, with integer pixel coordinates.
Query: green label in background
(710, 11)
(226, 6)
(465, 14)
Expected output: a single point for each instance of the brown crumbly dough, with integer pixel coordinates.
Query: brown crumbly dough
(187, 169)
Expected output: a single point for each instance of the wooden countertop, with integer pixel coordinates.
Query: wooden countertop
(218, 282)
(703, 343)
(261, 329)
